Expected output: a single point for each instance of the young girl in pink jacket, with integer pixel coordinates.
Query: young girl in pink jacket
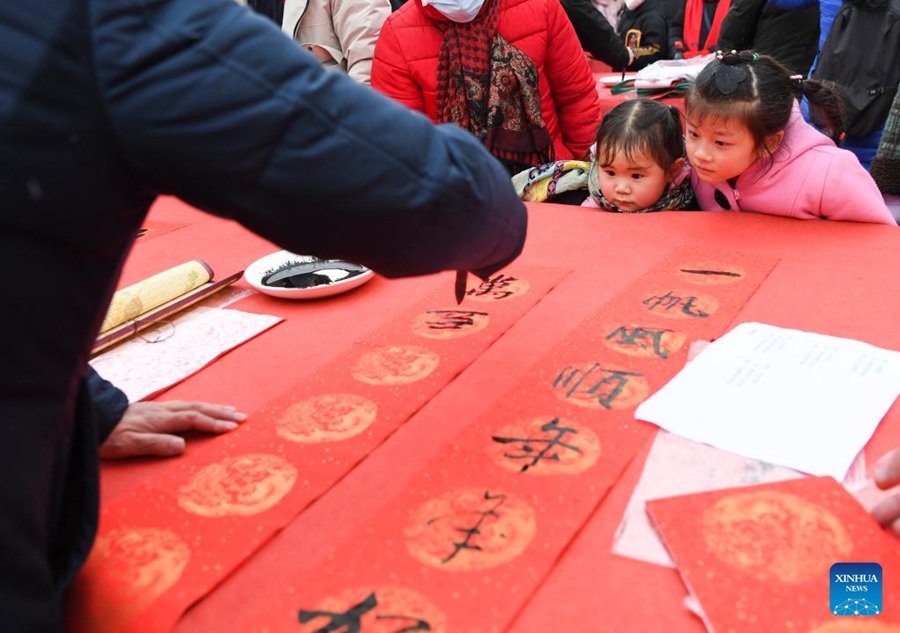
(751, 150)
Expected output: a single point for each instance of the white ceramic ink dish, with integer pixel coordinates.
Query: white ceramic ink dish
(291, 276)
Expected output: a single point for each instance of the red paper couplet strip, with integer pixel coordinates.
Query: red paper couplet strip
(163, 546)
(483, 523)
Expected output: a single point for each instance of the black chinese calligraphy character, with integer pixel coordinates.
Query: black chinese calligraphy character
(641, 338)
(496, 286)
(452, 319)
(601, 384)
(351, 621)
(348, 622)
(475, 530)
(671, 301)
(528, 450)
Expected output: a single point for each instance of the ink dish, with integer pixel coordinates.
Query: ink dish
(292, 276)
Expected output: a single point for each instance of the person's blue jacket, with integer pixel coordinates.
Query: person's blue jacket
(104, 104)
(864, 147)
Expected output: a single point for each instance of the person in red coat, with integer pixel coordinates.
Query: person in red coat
(512, 72)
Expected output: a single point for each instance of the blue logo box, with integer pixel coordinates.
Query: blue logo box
(856, 589)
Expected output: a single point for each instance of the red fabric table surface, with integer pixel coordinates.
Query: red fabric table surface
(833, 278)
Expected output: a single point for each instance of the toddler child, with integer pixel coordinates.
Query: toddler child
(638, 161)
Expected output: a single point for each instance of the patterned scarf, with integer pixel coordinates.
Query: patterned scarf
(489, 87)
(544, 182)
(678, 197)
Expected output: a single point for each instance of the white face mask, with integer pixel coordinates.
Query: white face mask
(456, 10)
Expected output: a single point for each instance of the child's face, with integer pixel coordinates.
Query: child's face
(719, 149)
(634, 182)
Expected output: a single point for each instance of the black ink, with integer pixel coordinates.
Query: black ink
(605, 390)
(452, 319)
(724, 273)
(495, 286)
(309, 274)
(475, 530)
(417, 625)
(670, 301)
(528, 451)
(566, 376)
(641, 338)
(351, 621)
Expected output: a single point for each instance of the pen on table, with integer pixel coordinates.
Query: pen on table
(460, 286)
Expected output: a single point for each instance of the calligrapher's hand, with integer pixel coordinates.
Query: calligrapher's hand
(148, 428)
(887, 475)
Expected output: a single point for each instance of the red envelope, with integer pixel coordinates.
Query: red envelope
(758, 558)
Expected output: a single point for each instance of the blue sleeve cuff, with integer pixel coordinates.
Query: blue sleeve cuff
(109, 402)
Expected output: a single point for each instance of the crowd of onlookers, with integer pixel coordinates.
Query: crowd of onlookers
(430, 54)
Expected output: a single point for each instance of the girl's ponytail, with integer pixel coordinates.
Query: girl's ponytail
(826, 106)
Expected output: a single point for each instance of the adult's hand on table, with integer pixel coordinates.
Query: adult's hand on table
(887, 475)
(149, 428)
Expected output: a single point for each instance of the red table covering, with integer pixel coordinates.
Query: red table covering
(832, 278)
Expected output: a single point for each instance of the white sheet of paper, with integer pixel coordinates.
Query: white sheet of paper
(158, 358)
(676, 466)
(798, 399)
